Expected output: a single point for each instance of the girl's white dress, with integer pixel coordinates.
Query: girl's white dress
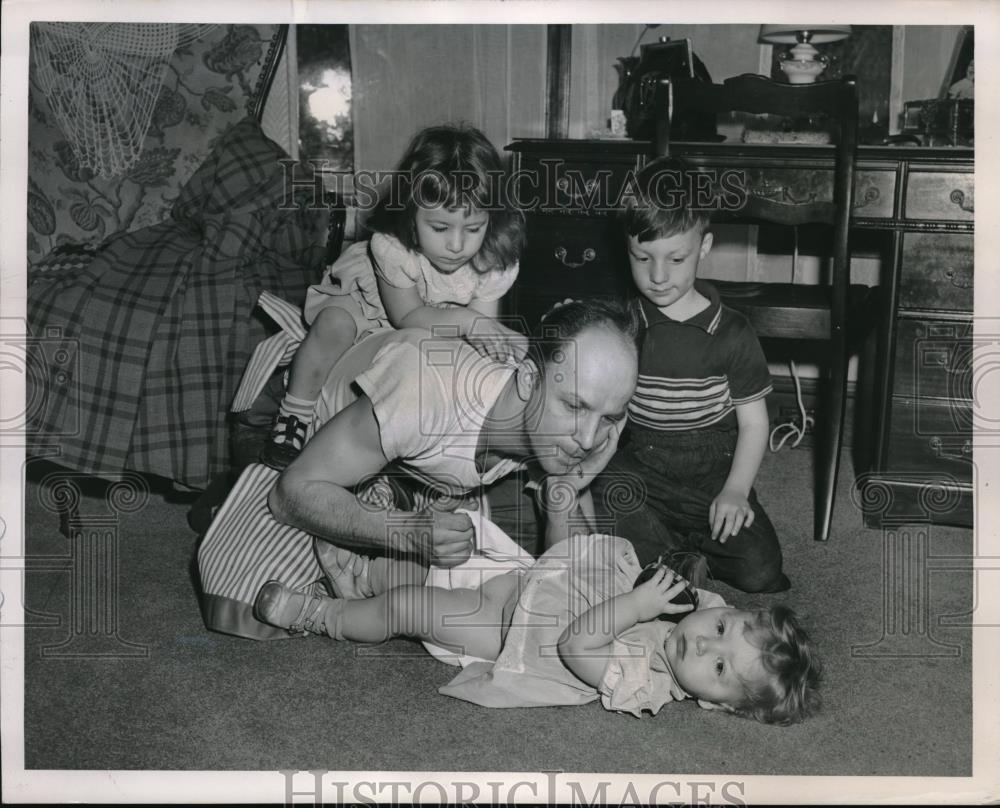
(351, 282)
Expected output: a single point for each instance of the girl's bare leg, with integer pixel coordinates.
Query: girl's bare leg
(330, 335)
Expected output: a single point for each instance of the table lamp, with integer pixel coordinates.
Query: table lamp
(801, 64)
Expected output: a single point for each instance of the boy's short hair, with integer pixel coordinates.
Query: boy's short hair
(662, 204)
(788, 692)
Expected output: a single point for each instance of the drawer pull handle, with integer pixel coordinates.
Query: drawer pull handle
(772, 192)
(589, 254)
(959, 281)
(958, 451)
(955, 371)
(870, 196)
(589, 186)
(958, 197)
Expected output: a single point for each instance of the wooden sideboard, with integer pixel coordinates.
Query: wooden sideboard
(913, 451)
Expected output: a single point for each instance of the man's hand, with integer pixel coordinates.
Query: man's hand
(652, 598)
(583, 474)
(442, 538)
(728, 514)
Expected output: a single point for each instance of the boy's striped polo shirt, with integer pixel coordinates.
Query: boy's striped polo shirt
(692, 374)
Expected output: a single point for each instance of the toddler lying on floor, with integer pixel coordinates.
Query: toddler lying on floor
(566, 628)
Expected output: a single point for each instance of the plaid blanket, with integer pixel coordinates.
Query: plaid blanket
(159, 324)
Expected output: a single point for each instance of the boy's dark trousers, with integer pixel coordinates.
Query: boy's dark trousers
(656, 492)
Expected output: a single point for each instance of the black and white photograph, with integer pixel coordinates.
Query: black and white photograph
(499, 402)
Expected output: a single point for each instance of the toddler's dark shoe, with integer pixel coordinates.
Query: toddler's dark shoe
(287, 439)
(687, 596)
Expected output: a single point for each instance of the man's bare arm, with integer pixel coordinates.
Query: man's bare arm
(314, 494)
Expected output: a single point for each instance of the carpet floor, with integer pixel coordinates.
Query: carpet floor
(170, 695)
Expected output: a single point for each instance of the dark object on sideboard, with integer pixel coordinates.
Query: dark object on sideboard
(941, 121)
(637, 76)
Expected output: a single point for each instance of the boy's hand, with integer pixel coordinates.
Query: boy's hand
(652, 598)
(728, 514)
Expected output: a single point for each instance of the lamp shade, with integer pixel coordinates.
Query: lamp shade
(790, 34)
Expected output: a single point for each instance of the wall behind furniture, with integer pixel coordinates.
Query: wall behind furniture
(494, 76)
(406, 77)
(927, 53)
(726, 50)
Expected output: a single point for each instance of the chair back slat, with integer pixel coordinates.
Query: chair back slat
(759, 95)
(837, 100)
(790, 214)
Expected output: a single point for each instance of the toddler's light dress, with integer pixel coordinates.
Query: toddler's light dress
(569, 578)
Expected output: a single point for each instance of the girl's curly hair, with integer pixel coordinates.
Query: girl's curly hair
(788, 692)
(456, 167)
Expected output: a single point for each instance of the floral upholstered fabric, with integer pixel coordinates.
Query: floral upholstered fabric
(209, 85)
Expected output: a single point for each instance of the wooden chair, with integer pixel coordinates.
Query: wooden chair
(786, 311)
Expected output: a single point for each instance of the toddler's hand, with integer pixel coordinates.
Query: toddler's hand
(728, 514)
(497, 341)
(653, 597)
(558, 305)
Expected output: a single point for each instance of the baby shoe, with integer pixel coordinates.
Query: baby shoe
(298, 612)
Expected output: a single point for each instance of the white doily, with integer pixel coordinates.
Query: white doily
(102, 81)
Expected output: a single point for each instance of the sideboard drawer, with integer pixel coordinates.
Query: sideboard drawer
(931, 436)
(568, 256)
(937, 271)
(873, 189)
(873, 194)
(940, 195)
(933, 359)
(572, 185)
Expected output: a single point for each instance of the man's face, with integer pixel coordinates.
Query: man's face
(583, 396)
(450, 238)
(711, 655)
(664, 269)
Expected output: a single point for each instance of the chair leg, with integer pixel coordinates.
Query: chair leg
(829, 446)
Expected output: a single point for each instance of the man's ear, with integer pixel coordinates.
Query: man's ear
(527, 379)
(711, 705)
(706, 244)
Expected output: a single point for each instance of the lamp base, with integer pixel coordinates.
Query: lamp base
(801, 71)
